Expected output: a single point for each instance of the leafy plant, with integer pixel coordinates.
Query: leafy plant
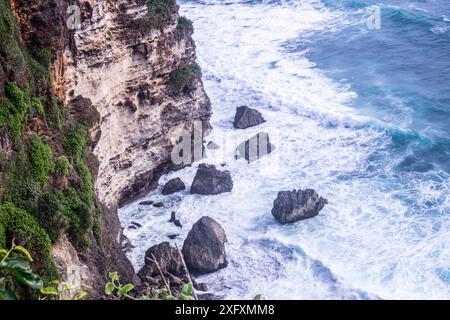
(14, 266)
(114, 288)
(19, 224)
(62, 291)
(187, 293)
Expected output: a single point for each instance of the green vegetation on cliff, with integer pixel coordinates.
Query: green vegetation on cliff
(159, 15)
(46, 184)
(184, 76)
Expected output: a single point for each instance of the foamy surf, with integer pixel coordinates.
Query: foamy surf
(377, 238)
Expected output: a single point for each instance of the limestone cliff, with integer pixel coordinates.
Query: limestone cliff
(117, 75)
(125, 72)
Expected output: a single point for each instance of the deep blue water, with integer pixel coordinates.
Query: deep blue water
(401, 73)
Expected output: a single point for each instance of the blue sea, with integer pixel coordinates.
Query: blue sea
(360, 114)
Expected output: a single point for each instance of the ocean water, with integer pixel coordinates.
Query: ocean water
(361, 115)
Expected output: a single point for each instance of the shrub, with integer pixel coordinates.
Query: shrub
(97, 230)
(49, 214)
(40, 155)
(27, 173)
(77, 212)
(62, 166)
(76, 140)
(20, 225)
(160, 12)
(14, 108)
(184, 25)
(21, 188)
(183, 77)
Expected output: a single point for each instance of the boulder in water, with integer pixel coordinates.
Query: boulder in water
(168, 258)
(247, 117)
(172, 186)
(204, 247)
(210, 181)
(146, 203)
(296, 205)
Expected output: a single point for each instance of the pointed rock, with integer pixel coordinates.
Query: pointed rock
(247, 117)
(204, 247)
(172, 186)
(168, 258)
(293, 206)
(210, 181)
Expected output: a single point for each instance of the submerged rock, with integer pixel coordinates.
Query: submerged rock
(247, 117)
(204, 247)
(146, 203)
(175, 221)
(134, 225)
(210, 181)
(158, 205)
(293, 206)
(168, 258)
(255, 148)
(172, 186)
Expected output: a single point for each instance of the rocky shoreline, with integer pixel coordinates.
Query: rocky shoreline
(204, 249)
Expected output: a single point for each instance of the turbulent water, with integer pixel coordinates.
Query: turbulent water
(361, 115)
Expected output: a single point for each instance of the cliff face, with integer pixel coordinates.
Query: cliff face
(125, 72)
(117, 75)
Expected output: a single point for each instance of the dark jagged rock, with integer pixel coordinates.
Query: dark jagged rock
(168, 258)
(175, 221)
(173, 236)
(135, 225)
(146, 203)
(178, 223)
(200, 286)
(247, 117)
(293, 206)
(158, 205)
(255, 148)
(210, 181)
(172, 186)
(204, 247)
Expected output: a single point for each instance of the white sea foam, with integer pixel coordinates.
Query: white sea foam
(378, 237)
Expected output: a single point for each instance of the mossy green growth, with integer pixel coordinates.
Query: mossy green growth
(78, 214)
(79, 204)
(62, 166)
(19, 224)
(160, 12)
(14, 108)
(41, 159)
(184, 76)
(50, 215)
(27, 173)
(97, 230)
(76, 141)
(20, 60)
(184, 25)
